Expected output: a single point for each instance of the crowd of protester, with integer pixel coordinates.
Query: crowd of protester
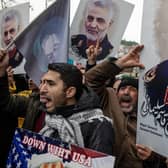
(87, 106)
(112, 113)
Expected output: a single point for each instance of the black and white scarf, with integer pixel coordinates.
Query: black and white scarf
(68, 129)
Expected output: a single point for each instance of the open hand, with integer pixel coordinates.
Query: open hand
(131, 59)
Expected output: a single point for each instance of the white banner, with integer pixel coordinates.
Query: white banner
(152, 127)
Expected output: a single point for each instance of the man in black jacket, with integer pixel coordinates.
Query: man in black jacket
(65, 109)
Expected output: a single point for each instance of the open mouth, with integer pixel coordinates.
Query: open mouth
(46, 102)
(125, 101)
(44, 99)
(125, 104)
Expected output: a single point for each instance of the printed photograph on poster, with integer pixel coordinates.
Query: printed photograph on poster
(31, 150)
(98, 24)
(13, 20)
(153, 92)
(45, 39)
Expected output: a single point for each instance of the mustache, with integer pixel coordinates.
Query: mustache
(126, 98)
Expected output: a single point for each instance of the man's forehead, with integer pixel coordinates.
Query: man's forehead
(97, 11)
(51, 75)
(94, 9)
(10, 23)
(128, 86)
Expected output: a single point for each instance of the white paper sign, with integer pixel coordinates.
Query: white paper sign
(152, 126)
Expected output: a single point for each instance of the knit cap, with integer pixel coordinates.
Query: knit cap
(128, 81)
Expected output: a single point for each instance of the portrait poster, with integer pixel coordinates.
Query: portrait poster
(98, 23)
(31, 150)
(45, 40)
(152, 126)
(13, 20)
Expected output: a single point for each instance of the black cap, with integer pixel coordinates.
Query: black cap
(128, 81)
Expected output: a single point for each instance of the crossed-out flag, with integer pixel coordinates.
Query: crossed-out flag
(45, 40)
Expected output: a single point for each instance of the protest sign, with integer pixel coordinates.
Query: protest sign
(152, 126)
(31, 150)
(100, 24)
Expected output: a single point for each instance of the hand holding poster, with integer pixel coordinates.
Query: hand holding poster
(31, 150)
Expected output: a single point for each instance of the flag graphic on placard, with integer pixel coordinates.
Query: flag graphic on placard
(32, 150)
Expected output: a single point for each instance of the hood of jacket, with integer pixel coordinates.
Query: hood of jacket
(88, 101)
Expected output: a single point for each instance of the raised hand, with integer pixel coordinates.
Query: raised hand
(131, 59)
(93, 52)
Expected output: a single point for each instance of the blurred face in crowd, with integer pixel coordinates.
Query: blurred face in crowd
(32, 85)
(128, 97)
(10, 30)
(97, 22)
(52, 91)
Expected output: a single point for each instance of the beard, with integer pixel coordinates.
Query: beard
(91, 37)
